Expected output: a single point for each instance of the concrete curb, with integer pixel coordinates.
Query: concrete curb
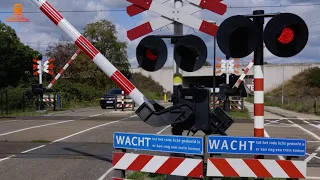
(285, 115)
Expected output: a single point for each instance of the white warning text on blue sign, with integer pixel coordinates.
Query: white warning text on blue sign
(162, 143)
(257, 146)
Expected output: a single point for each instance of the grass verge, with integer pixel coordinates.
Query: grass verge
(238, 114)
(148, 176)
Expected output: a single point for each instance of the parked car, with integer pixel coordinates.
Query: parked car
(114, 94)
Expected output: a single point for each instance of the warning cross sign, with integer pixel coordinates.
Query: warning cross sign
(169, 15)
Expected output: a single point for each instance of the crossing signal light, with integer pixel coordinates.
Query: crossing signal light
(233, 79)
(286, 35)
(236, 36)
(190, 53)
(36, 67)
(151, 53)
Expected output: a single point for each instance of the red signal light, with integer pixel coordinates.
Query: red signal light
(286, 36)
(150, 55)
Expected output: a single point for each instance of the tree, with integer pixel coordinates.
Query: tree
(16, 58)
(102, 35)
(207, 63)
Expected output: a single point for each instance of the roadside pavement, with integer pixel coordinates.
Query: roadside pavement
(278, 113)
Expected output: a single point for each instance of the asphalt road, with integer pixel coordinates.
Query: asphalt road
(78, 144)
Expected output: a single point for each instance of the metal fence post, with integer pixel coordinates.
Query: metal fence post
(7, 102)
(115, 104)
(1, 103)
(122, 100)
(59, 102)
(315, 105)
(242, 103)
(54, 102)
(23, 101)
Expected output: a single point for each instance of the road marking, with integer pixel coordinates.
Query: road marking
(7, 121)
(313, 141)
(85, 131)
(163, 129)
(311, 156)
(312, 134)
(96, 115)
(33, 127)
(7, 158)
(316, 178)
(111, 169)
(317, 157)
(267, 135)
(305, 130)
(29, 150)
(33, 149)
(287, 126)
(106, 173)
(311, 124)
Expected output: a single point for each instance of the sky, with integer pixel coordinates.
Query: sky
(41, 32)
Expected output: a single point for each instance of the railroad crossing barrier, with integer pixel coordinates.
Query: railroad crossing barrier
(199, 166)
(125, 103)
(236, 103)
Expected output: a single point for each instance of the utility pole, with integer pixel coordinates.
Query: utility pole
(177, 79)
(214, 71)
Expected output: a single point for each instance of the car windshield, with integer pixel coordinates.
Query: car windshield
(114, 92)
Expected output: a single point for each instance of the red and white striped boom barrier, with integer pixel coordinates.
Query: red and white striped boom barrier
(158, 164)
(64, 68)
(246, 71)
(261, 168)
(102, 62)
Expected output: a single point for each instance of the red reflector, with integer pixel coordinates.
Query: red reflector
(286, 36)
(150, 55)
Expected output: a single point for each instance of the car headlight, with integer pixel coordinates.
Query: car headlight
(102, 98)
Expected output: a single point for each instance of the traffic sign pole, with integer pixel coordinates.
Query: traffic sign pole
(259, 80)
(40, 71)
(177, 78)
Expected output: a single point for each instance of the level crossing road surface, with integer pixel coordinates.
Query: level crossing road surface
(78, 144)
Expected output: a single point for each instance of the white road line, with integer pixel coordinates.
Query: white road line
(3, 159)
(305, 130)
(33, 149)
(96, 115)
(313, 141)
(317, 157)
(29, 150)
(316, 178)
(267, 135)
(163, 129)
(111, 169)
(106, 173)
(33, 127)
(85, 131)
(269, 125)
(312, 134)
(311, 124)
(311, 156)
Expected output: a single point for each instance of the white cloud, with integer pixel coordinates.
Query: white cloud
(40, 29)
